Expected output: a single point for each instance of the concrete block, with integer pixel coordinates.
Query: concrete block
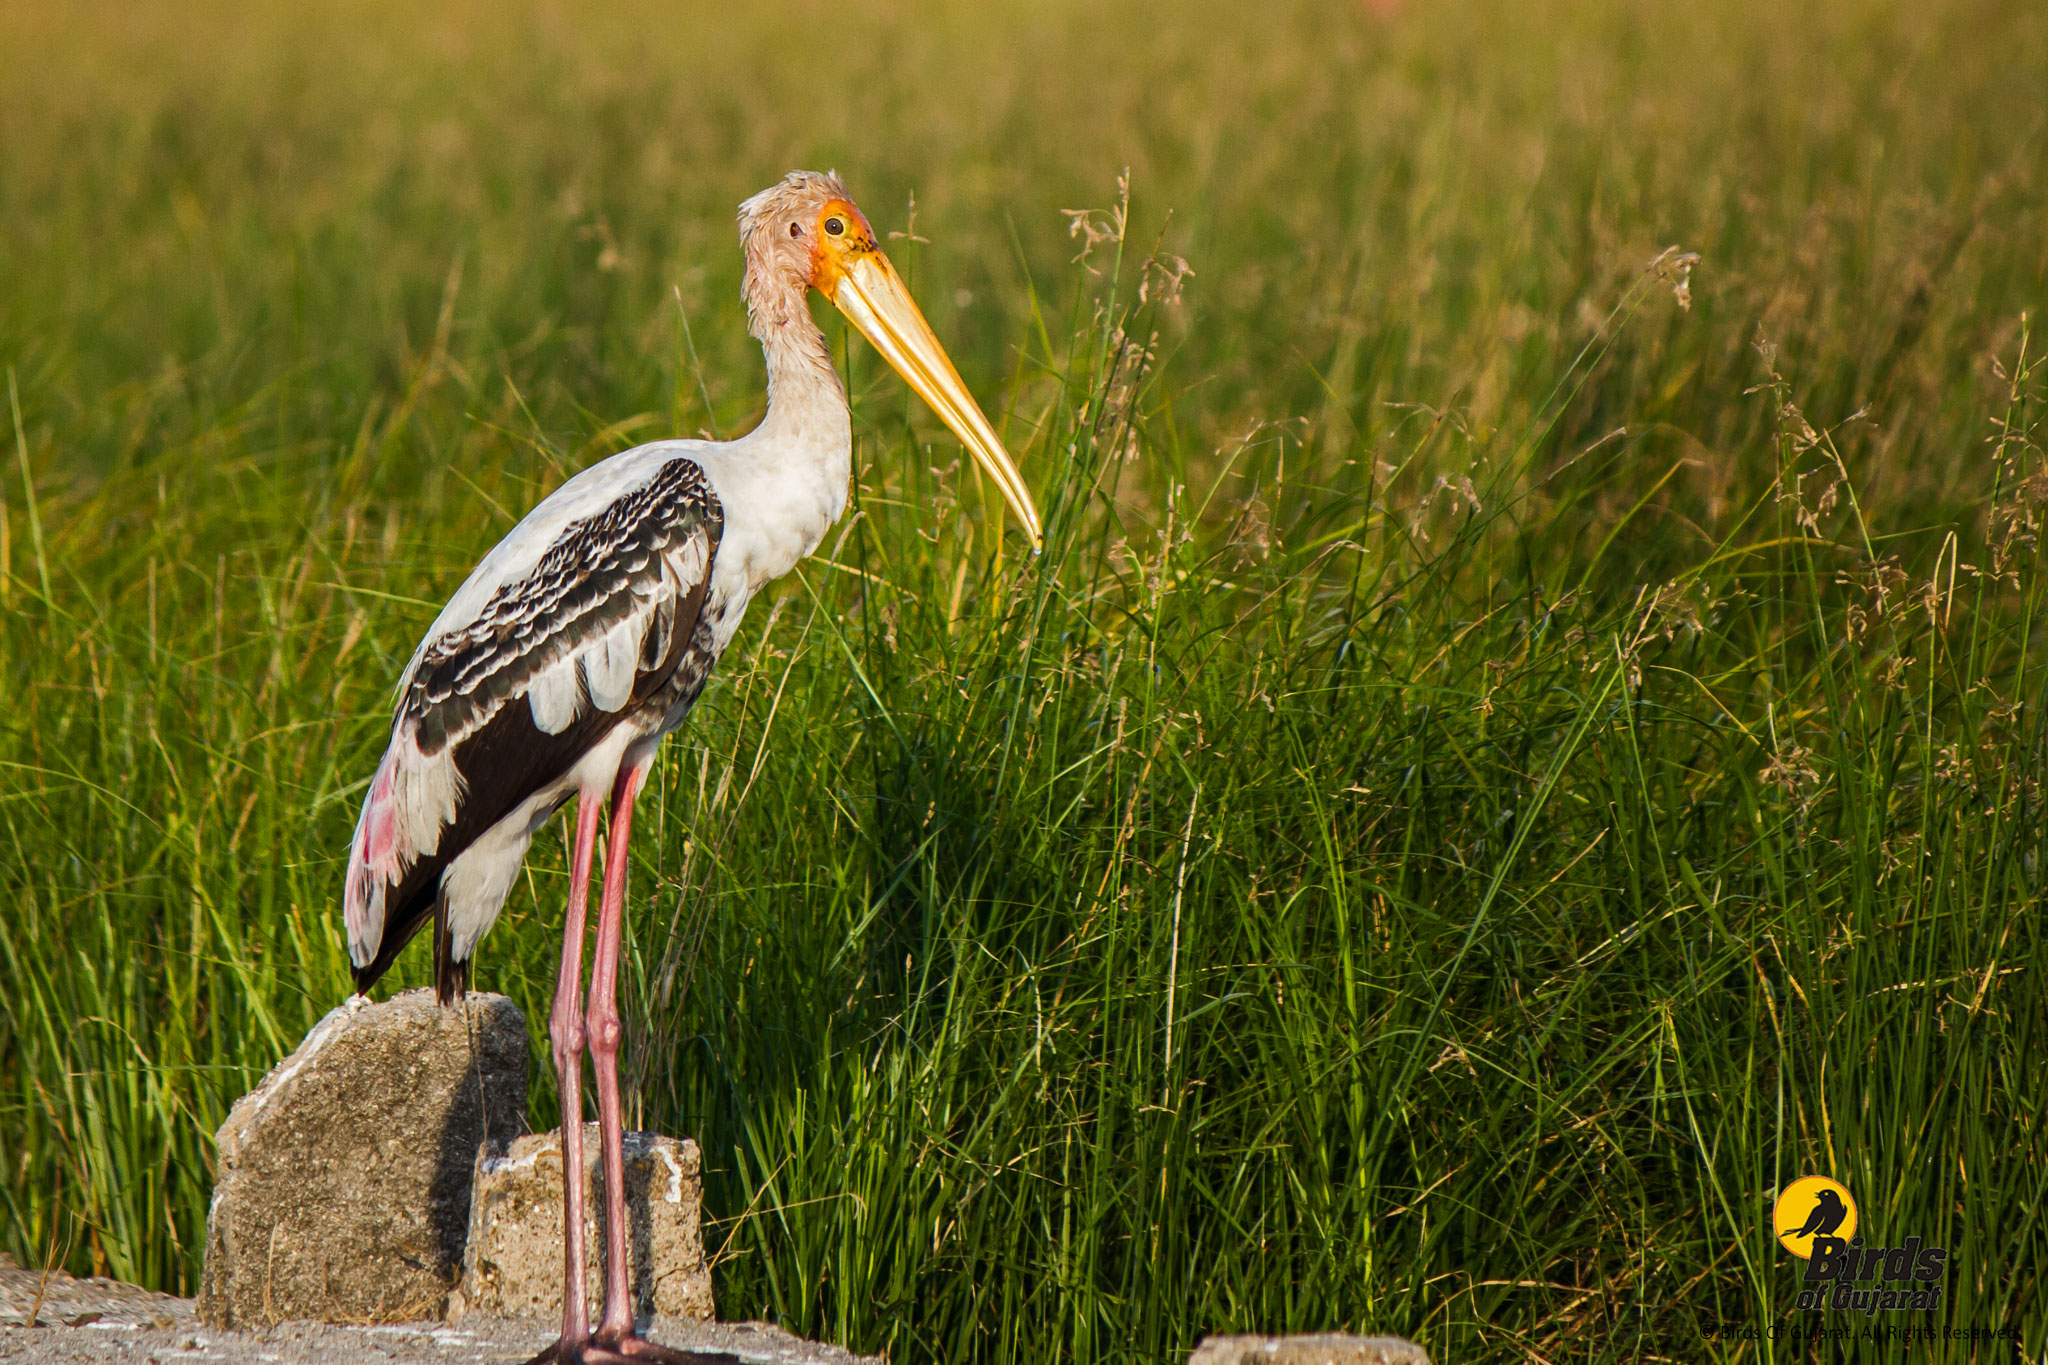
(344, 1180)
(514, 1262)
(1326, 1348)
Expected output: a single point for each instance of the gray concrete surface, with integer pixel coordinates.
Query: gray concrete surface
(101, 1322)
(117, 1324)
(344, 1182)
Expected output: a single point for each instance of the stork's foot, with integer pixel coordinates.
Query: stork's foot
(637, 1348)
(627, 1350)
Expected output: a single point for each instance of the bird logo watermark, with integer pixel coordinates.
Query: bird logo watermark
(1839, 1270)
(1813, 1206)
(1816, 1219)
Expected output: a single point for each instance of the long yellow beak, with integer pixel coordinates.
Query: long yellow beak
(872, 295)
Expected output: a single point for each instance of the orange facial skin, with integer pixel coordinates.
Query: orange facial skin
(832, 251)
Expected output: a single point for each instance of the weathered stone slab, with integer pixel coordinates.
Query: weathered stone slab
(344, 1180)
(1328, 1348)
(101, 1322)
(514, 1263)
(49, 1298)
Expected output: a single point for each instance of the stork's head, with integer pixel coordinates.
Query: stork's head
(805, 233)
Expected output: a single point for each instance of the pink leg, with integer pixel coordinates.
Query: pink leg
(598, 1028)
(601, 1024)
(566, 1032)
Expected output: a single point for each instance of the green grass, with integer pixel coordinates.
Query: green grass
(1495, 773)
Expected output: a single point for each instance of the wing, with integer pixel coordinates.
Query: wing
(500, 706)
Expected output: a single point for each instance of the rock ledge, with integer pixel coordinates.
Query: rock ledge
(344, 1181)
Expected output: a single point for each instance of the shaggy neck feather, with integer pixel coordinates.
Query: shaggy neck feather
(806, 403)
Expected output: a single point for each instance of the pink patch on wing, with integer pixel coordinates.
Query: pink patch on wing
(380, 820)
(372, 864)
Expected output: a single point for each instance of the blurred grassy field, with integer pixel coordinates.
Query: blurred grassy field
(1515, 752)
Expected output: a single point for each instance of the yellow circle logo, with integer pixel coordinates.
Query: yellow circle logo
(1811, 1207)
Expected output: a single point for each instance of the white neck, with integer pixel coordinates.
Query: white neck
(806, 403)
(795, 466)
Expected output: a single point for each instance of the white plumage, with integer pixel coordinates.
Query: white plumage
(554, 694)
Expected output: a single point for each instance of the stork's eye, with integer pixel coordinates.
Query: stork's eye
(835, 226)
(796, 229)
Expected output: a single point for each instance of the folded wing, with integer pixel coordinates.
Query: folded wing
(500, 706)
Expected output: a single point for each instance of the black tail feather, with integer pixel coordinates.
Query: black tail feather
(401, 927)
(426, 905)
(451, 975)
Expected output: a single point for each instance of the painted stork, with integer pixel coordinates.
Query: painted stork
(584, 638)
